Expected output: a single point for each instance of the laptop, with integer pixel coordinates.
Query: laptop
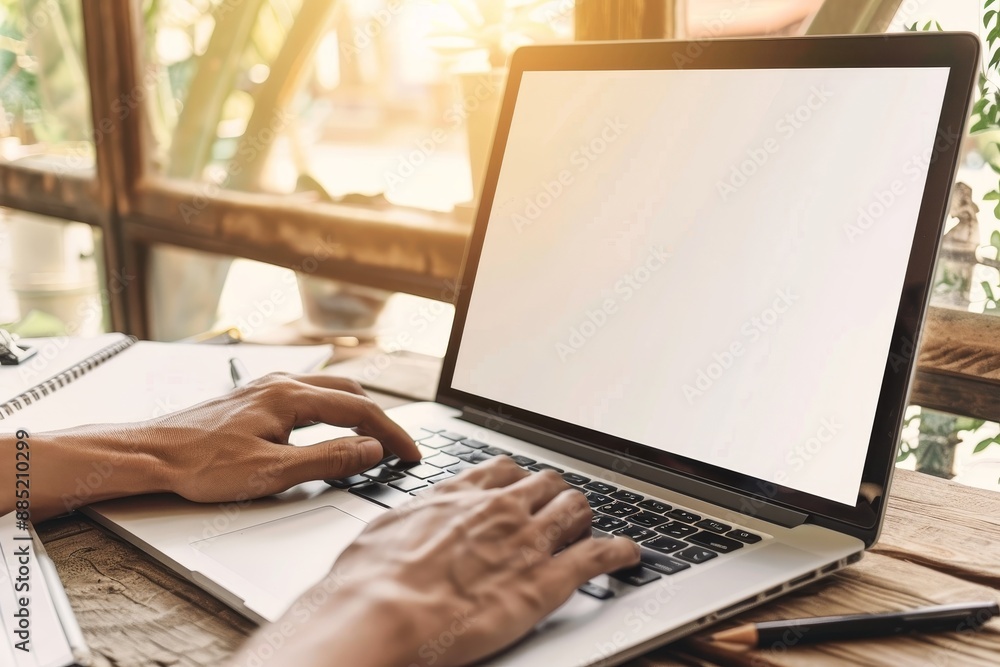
(694, 287)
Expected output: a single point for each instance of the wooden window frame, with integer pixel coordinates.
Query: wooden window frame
(958, 366)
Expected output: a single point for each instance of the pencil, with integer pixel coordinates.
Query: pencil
(945, 618)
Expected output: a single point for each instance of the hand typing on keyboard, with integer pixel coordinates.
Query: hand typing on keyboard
(460, 572)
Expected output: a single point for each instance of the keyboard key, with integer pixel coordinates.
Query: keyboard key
(743, 536)
(475, 456)
(664, 564)
(451, 435)
(637, 533)
(597, 499)
(475, 444)
(440, 478)
(354, 480)
(397, 464)
(636, 576)
(416, 433)
(460, 467)
(626, 496)
(714, 542)
(496, 451)
(618, 509)
(665, 544)
(436, 442)
(600, 487)
(426, 451)
(654, 506)
(408, 484)
(713, 525)
(442, 460)
(648, 519)
(432, 429)
(608, 524)
(677, 529)
(683, 515)
(381, 474)
(457, 450)
(593, 590)
(523, 461)
(423, 471)
(538, 467)
(696, 555)
(383, 495)
(574, 479)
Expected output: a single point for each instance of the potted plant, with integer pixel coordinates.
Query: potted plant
(477, 44)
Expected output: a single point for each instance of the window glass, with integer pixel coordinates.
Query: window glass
(51, 276)
(45, 117)
(364, 101)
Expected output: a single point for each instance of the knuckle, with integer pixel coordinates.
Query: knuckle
(579, 505)
(367, 405)
(353, 386)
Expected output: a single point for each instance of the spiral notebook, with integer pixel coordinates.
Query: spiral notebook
(115, 378)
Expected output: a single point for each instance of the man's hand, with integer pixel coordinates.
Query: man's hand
(457, 575)
(236, 446)
(228, 449)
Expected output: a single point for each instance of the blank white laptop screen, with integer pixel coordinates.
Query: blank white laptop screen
(705, 262)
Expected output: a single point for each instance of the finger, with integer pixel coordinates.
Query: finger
(331, 382)
(498, 472)
(539, 489)
(562, 574)
(561, 522)
(341, 408)
(331, 459)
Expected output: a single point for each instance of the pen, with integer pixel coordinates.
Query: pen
(63, 609)
(239, 372)
(945, 618)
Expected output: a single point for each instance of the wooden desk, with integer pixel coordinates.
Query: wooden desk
(941, 544)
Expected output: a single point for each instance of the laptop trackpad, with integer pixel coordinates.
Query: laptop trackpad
(288, 555)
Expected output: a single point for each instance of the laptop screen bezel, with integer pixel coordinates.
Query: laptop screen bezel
(957, 51)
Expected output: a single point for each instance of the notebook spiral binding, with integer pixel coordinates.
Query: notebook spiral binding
(54, 383)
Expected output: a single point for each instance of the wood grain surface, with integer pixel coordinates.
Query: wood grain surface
(940, 544)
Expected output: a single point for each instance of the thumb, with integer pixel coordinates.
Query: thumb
(334, 459)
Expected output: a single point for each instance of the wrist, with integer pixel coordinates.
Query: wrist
(107, 461)
(360, 624)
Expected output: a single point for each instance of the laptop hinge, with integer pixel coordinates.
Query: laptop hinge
(624, 465)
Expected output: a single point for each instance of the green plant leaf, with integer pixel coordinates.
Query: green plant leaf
(995, 238)
(989, 290)
(995, 440)
(987, 17)
(991, 196)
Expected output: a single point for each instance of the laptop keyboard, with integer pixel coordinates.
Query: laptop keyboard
(672, 539)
